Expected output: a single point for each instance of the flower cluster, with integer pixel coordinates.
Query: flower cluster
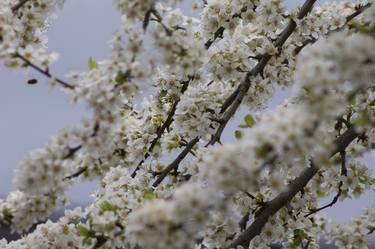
(356, 233)
(174, 224)
(199, 106)
(263, 188)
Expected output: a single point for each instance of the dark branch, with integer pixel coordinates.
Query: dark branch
(339, 192)
(243, 221)
(297, 185)
(174, 165)
(218, 34)
(165, 126)
(43, 71)
(77, 174)
(349, 18)
(258, 69)
(19, 5)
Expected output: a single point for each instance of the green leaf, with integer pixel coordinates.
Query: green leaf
(363, 120)
(83, 231)
(120, 78)
(238, 134)
(249, 120)
(243, 126)
(92, 64)
(263, 150)
(106, 206)
(149, 194)
(364, 28)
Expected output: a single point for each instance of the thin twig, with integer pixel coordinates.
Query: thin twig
(218, 34)
(43, 71)
(339, 192)
(258, 69)
(349, 18)
(174, 165)
(165, 126)
(19, 5)
(76, 174)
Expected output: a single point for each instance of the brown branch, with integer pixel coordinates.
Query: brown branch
(244, 220)
(236, 97)
(174, 165)
(339, 192)
(76, 174)
(19, 5)
(165, 126)
(359, 10)
(43, 71)
(297, 185)
(72, 151)
(218, 34)
(258, 69)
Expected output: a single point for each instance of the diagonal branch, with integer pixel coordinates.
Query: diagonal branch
(165, 126)
(19, 5)
(297, 185)
(258, 69)
(174, 165)
(359, 10)
(339, 192)
(236, 98)
(43, 71)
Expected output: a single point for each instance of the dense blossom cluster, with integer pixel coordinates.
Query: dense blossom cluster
(353, 235)
(160, 186)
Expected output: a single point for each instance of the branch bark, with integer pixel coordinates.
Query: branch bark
(273, 206)
(174, 165)
(19, 5)
(165, 126)
(258, 69)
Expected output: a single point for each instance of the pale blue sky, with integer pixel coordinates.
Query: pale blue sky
(31, 114)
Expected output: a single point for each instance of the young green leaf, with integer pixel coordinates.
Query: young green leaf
(120, 78)
(149, 194)
(92, 64)
(249, 120)
(83, 231)
(106, 206)
(238, 134)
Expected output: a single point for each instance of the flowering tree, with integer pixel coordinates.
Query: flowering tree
(167, 181)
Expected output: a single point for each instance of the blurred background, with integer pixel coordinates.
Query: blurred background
(30, 114)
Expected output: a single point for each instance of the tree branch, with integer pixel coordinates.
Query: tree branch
(19, 5)
(174, 165)
(218, 34)
(258, 69)
(297, 185)
(236, 98)
(359, 10)
(167, 123)
(43, 71)
(339, 192)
